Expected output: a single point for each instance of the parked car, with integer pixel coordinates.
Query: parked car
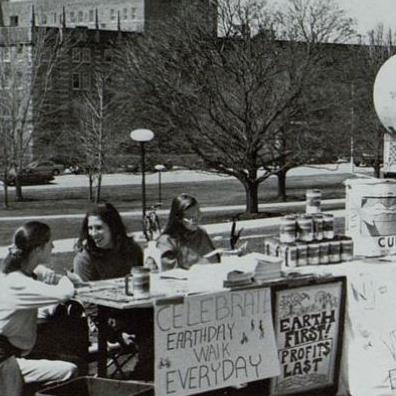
(47, 166)
(30, 176)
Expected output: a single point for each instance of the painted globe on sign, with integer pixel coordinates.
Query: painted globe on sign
(385, 94)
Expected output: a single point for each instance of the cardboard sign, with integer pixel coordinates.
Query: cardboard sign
(371, 216)
(212, 341)
(307, 329)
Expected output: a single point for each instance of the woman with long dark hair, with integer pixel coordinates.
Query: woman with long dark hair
(183, 242)
(21, 296)
(104, 250)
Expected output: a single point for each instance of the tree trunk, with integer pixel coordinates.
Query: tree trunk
(5, 190)
(18, 189)
(282, 185)
(90, 190)
(251, 190)
(98, 188)
(377, 169)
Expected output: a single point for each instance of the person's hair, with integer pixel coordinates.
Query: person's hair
(26, 238)
(179, 205)
(109, 215)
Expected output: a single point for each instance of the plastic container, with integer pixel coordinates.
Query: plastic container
(91, 386)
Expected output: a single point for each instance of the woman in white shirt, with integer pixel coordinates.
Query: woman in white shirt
(22, 292)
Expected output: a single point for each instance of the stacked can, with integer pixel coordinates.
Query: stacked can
(346, 249)
(324, 252)
(313, 198)
(288, 229)
(305, 228)
(328, 226)
(302, 254)
(318, 221)
(334, 251)
(313, 254)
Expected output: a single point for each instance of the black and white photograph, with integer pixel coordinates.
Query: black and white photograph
(197, 197)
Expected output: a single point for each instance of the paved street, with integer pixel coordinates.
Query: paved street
(180, 176)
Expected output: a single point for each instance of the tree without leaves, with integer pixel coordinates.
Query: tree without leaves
(98, 113)
(231, 95)
(26, 77)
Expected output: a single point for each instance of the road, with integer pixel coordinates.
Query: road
(341, 171)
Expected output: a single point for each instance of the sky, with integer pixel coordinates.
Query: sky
(369, 13)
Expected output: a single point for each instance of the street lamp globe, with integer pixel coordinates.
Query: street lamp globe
(142, 135)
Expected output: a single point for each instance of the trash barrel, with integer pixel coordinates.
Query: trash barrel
(92, 386)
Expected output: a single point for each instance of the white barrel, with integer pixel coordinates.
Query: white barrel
(370, 218)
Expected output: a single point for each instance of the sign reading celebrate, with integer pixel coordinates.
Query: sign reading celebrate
(211, 341)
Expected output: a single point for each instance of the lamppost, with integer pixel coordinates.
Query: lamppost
(159, 168)
(142, 136)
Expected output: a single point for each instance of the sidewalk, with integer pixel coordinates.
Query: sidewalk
(254, 228)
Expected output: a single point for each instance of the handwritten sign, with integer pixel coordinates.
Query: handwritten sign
(211, 341)
(307, 321)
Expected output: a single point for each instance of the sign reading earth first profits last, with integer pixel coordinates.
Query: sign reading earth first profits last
(306, 327)
(212, 341)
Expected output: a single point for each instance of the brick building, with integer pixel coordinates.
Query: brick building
(89, 44)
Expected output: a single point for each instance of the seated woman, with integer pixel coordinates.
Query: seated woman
(183, 242)
(105, 251)
(21, 296)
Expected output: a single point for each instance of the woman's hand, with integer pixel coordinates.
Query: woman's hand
(74, 278)
(46, 275)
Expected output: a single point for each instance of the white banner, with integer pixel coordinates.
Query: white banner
(212, 341)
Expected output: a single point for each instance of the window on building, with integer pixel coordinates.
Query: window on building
(6, 54)
(14, 20)
(86, 81)
(76, 81)
(125, 13)
(108, 55)
(91, 16)
(54, 17)
(72, 16)
(133, 13)
(76, 55)
(80, 16)
(86, 55)
(43, 19)
(112, 14)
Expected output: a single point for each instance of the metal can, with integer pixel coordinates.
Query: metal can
(313, 198)
(288, 229)
(271, 246)
(346, 249)
(302, 254)
(313, 254)
(290, 256)
(324, 252)
(305, 228)
(140, 281)
(318, 226)
(328, 225)
(334, 252)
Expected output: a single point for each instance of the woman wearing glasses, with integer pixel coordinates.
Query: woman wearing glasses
(183, 242)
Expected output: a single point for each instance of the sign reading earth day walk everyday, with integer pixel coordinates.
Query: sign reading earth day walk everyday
(211, 341)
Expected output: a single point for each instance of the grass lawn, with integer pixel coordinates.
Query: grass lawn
(128, 198)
